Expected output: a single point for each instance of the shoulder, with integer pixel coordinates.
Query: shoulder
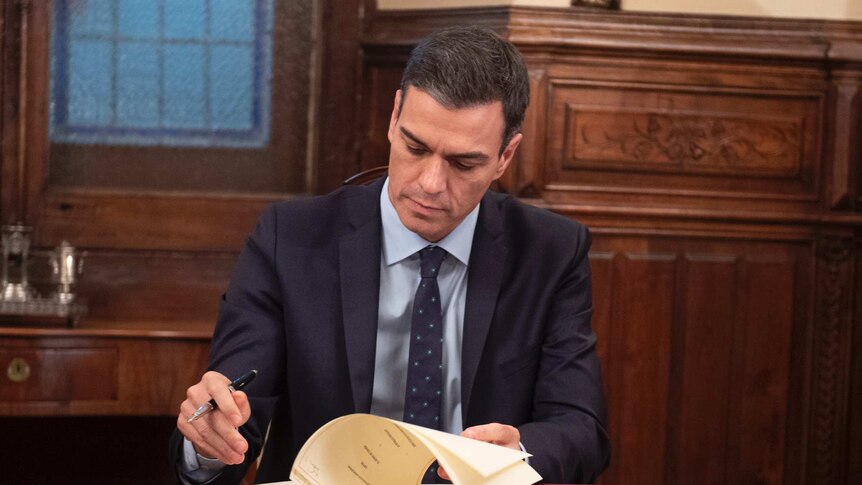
(312, 220)
(335, 202)
(521, 221)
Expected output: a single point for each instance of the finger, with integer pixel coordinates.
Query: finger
(441, 472)
(241, 400)
(201, 447)
(198, 394)
(191, 434)
(195, 394)
(209, 434)
(224, 429)
(489, 433)
(217, 387)
(496, 433)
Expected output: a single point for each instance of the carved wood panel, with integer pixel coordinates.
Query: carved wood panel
(679, 139)
(831, 359)
(688, 143)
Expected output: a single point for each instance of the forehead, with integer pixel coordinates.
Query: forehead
(434, 123)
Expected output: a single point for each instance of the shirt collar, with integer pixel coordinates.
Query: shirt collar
(400, 243)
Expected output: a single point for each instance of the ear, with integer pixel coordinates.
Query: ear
(394, 118)
(508, 155)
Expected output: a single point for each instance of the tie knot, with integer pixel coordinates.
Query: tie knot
(431, 258)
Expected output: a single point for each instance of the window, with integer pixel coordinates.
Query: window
(159, 124)
(178, 96)
(161, 72)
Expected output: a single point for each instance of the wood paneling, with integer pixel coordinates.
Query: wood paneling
(708, 302)
(643, 347)
(716, 161)
(854, 428)
(177, 222)
(602, 269)
(147, 287)
(338, 137)
(377, 99)
(698, 335)
(762, 373)
(844, 151)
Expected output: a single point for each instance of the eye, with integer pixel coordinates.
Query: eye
(415, 150)
(463, 167)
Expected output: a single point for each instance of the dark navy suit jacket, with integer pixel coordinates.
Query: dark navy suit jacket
(302, 308)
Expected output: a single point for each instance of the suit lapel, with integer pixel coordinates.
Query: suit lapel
(359, 256)
(484, 278)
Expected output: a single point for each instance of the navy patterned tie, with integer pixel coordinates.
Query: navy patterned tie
(422, 403)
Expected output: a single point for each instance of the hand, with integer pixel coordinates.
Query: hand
(215, 434)
(494, 433)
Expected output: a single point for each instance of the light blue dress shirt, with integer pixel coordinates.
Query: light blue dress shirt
(399, 278)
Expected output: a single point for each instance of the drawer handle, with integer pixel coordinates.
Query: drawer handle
(18, 370)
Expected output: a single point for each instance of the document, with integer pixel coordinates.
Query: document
(361, 449)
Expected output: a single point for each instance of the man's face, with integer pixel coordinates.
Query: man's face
(441, 161)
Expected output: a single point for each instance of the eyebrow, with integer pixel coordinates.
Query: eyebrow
(478, 156)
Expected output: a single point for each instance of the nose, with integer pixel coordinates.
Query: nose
(432, 180)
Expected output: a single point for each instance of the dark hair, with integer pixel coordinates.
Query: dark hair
(466, 66)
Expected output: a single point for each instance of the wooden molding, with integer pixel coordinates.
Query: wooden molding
(831, 360)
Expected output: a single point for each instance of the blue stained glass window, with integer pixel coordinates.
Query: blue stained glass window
(161, 72)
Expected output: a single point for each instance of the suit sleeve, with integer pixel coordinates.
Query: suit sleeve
(568, 432)
(249, 334)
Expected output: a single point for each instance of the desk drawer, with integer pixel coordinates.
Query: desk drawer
(58, 374)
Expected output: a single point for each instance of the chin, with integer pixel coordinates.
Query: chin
(421, 229)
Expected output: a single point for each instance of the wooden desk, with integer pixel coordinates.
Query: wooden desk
(131, 368)
(98, 403)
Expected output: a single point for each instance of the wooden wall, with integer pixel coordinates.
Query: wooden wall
(716, 162)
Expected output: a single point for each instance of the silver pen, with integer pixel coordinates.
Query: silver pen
(235, 385)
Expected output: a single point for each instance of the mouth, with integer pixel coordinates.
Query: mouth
(420, 207)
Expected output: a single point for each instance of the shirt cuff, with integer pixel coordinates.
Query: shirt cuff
(196, 467)
(526, 458)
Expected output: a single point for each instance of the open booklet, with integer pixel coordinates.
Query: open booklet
(361, 449)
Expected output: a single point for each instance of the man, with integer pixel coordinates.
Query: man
(422, 284)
